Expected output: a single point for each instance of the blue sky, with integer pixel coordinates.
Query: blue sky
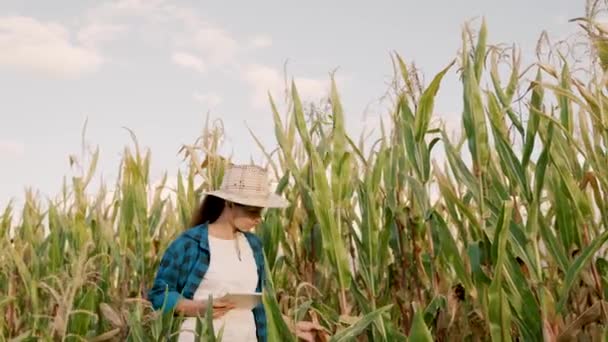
(159, 67)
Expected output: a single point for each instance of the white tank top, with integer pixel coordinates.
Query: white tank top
(227, 273)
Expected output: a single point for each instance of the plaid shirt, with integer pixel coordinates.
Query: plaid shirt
(184, 265)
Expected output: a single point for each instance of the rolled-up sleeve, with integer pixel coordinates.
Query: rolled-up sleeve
(259, 312)
(165, 291)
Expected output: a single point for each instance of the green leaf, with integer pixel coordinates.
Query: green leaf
(277, 328)
(577, 266)
(474, 119)
(480, 50)
(357, 328)
(564, 102)
(438, 303)
(536, 103)
(450, 252)
(426, 104)
(420, 332)
(510, 164)
(499, 310)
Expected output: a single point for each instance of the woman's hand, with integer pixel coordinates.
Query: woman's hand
(220, 307)
(198, 308)
(307, 331)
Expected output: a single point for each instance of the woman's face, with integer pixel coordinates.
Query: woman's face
(246, 217)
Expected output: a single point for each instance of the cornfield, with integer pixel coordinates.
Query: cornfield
(503, 240)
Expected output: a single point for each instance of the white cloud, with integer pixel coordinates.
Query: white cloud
(215, 44)
(266, 79)
(32, 45)
(187, 60)
(159, 13)
(11, 149)
(154, 10)
(208, 99)
(179, 27)
(260, 41)
(94, 34)
(136, 5)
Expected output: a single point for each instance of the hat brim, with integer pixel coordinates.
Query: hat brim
(270, 201)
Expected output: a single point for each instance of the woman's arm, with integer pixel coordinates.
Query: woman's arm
(165, 291)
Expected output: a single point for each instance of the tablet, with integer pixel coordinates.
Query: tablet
(244, 300)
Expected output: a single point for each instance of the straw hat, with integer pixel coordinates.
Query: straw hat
(248, 185)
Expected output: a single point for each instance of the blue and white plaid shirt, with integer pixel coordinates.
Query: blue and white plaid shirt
(184, 265)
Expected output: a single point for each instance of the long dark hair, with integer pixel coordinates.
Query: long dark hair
(209, 211)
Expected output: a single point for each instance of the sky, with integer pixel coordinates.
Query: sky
(160, 67)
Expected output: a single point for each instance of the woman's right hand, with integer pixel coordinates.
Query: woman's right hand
(220, 307)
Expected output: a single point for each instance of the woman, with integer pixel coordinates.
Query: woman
(219, 254)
